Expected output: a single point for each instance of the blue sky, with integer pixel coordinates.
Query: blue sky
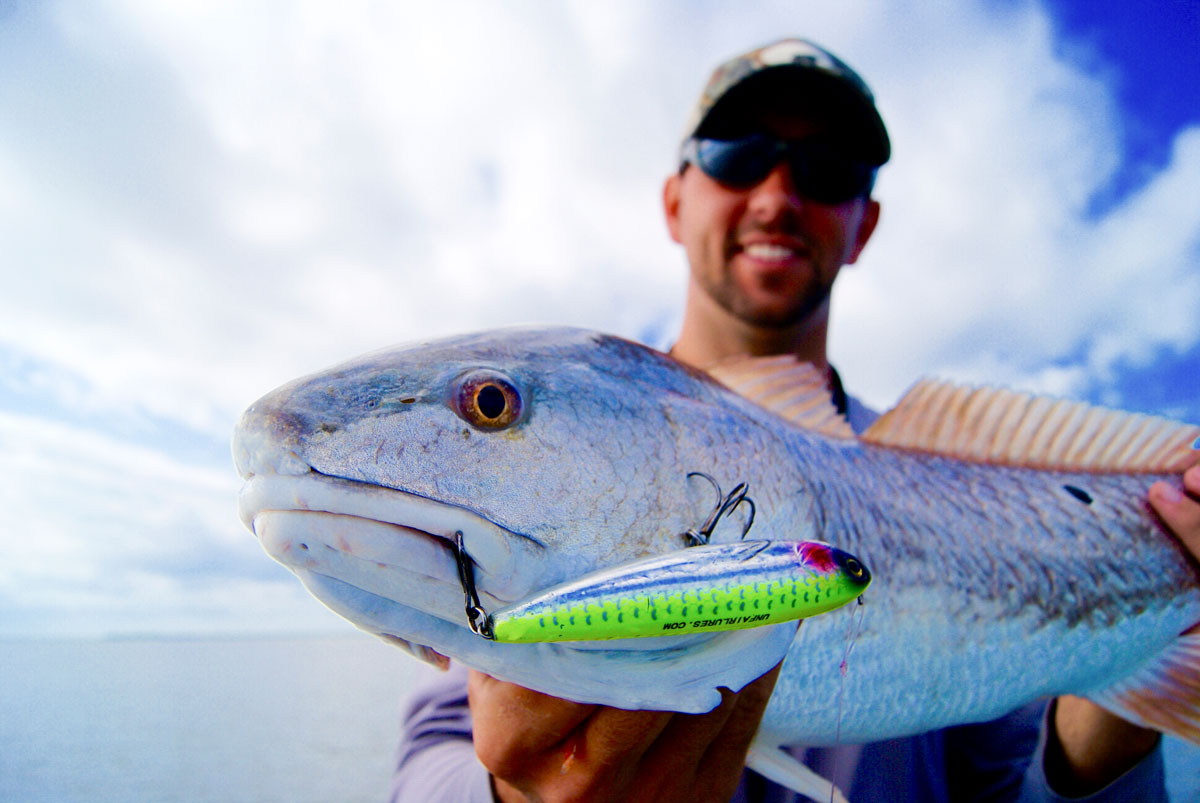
(201, 201)
(1148, 52)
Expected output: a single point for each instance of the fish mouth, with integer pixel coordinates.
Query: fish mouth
(395, 546)
(280, 481)
(383, 559)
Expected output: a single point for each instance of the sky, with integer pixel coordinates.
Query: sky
(202, 200)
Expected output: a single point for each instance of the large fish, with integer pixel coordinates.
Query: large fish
(1013, 553)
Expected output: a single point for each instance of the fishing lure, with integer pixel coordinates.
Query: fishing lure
(699, 589)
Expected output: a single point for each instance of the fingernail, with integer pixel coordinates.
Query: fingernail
(1170, 494)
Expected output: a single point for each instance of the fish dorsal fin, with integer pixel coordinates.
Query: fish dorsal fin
(787, 387)
(1019, 429)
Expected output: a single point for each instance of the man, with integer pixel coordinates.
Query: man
(773, 198)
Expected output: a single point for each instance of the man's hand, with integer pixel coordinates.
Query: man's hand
(541, 748)
(1180, 511)
(1095, 747)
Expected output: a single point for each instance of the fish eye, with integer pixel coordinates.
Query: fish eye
(487, 400)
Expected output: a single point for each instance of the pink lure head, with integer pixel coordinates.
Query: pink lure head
(828, 559)
(816, 556)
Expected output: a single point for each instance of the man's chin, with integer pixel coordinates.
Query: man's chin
(778, 315)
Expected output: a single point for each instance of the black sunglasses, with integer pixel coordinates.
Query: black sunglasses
(820, 170)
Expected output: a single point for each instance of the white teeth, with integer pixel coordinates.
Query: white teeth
(769, 251)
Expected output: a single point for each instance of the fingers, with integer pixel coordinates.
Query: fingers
(680, 753)
(1094, 747)
(700, 757)
(616, 736)
(1180, 510)
(721, 768)
(541, 748)
(496, 705)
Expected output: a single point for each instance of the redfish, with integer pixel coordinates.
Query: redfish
(1012, 551)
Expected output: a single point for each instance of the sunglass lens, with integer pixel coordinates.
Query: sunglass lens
(820, 170)
(736, 163)
(831, 180)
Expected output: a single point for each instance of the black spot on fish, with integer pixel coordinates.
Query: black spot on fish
(1078, 493)
(327, 427)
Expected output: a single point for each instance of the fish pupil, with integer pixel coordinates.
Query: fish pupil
(491, 401)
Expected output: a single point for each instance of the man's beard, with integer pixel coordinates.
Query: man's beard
(730, 297)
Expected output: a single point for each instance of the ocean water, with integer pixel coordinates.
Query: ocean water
(240, 720)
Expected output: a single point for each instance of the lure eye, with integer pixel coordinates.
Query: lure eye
(852, 566)
(488, 400)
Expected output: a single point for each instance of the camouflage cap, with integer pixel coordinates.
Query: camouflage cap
(801, 74)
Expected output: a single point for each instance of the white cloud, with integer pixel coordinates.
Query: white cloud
(987, 267)
(99, 535)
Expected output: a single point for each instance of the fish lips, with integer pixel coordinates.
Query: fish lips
(391, 543)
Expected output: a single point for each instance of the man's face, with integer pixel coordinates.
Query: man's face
(766, 254)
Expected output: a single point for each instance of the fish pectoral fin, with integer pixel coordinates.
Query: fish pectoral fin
(774, 764)
(1164, 694)
(787, 387)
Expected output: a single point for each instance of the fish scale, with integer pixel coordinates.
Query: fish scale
(1096, 591)
(1013, 553)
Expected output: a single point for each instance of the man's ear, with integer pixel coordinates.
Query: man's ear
(670, 197)
(870, 219)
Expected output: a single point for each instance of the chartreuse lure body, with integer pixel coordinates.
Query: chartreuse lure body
(698, 589)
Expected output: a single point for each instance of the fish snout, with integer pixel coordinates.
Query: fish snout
(263, 444)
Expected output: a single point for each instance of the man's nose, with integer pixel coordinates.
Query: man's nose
(776, 194)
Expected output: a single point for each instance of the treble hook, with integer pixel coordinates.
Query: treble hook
(725, 505)
(477, 618)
